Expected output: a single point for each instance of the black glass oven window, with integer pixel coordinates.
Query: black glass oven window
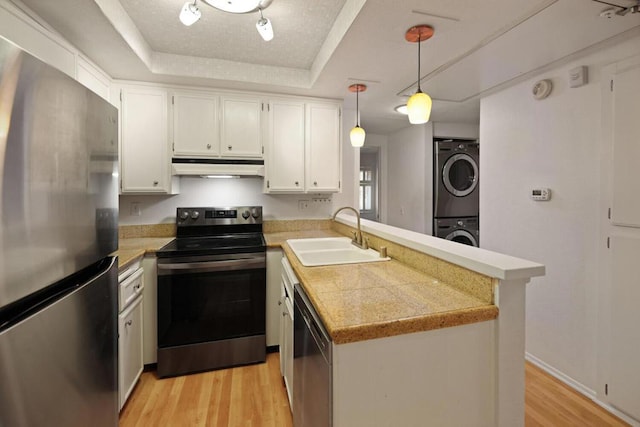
(202, 307)
(461, 175)
(464, 240)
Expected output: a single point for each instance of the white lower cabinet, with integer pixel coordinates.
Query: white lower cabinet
(130, 349)
(130, 339)
(272, 311)
(286, 327)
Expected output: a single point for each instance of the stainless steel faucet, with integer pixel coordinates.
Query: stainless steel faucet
(357, 238)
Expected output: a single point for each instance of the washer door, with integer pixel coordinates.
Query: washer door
(462, 236)
(460, 174)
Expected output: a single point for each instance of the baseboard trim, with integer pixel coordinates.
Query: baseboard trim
(579, 387)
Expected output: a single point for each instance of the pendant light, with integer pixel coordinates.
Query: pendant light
(357, 133)
(419, 105)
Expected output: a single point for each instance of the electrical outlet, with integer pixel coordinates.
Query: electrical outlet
(303, 205)
(135, 209)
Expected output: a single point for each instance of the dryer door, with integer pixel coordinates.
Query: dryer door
(462, 236)
(460, 174)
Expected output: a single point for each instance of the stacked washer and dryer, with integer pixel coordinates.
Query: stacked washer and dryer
(456, 201)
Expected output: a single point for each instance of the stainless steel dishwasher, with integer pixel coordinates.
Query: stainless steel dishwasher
(312, 376)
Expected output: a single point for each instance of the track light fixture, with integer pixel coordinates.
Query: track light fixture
(190, 14)
(419, 105)
(357, 134)
(264, 28)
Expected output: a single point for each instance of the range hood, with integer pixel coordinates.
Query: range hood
(217, 167)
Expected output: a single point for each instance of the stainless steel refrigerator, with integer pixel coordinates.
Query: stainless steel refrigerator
(58, 227)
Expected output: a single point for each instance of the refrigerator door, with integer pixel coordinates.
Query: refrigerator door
(58, 175)
(58, 363)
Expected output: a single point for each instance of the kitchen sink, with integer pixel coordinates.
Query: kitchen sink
(331, 251)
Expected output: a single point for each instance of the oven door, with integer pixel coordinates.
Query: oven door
(204, 299)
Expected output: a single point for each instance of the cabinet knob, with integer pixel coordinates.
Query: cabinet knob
(315, 183)
(155, 182)
(297, 183)
(129, 322)
(229, 147)
(209, 146)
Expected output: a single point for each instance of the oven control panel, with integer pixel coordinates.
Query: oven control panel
(219, 216)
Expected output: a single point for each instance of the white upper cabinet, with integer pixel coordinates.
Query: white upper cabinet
(195, 125)
(144, 150)
(241, 127)
(323, 147)
(303, 147)
(284, 164)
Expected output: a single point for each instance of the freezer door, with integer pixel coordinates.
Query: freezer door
(58, 365)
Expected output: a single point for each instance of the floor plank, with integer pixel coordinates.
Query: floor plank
(255, 395)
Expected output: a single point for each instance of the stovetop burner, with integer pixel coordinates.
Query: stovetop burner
(213, 231)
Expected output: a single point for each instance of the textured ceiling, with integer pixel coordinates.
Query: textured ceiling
(321, 47)
(300, 28)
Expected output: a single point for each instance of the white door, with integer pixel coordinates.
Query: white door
(285, 147)
(195, 125)
(241, 127)
(620, 335)
(144, 146)
(323, 147)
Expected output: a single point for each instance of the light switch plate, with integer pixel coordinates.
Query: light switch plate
(578, 76)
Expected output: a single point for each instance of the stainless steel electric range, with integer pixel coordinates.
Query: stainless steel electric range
(212, 291)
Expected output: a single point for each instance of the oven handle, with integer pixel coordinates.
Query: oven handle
(210, 266)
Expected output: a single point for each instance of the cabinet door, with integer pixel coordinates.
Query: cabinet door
(323, 148)
(285, 147)
(241, 127)
(195, 126)
(287, 348)
(145, 166)
(130, 349)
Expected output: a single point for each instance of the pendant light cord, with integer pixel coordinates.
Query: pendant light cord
(419, 41)
(357, 107)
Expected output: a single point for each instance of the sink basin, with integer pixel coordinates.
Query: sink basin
(331, 251)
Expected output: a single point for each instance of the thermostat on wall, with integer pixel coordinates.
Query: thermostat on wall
(541, 194)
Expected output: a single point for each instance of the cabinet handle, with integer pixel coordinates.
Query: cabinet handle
(229, 147)
(129, 322)
(209, 146)
(155, 182)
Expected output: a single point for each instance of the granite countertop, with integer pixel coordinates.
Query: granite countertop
(131, 249)
(374, 300)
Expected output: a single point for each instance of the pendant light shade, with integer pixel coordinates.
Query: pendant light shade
(419, 108)
(357, 134)
(419, 105)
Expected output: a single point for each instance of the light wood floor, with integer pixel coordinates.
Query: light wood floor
(255, 396)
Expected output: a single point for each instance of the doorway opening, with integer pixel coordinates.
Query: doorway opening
(369, 183)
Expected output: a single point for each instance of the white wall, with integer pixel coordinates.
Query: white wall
(409, 187)
(550, 143)
(456, 130)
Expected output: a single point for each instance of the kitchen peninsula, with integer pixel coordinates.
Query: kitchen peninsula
(435, 334)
